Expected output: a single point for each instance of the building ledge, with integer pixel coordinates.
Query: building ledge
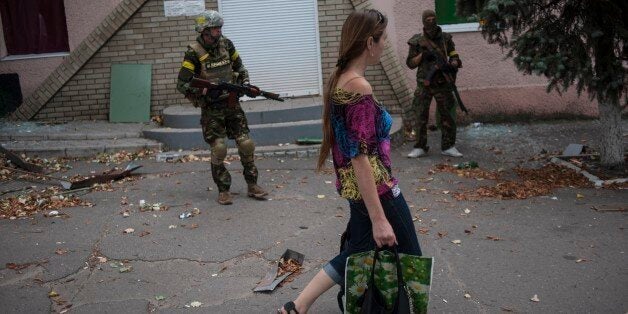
(35, 56)
(461, 28)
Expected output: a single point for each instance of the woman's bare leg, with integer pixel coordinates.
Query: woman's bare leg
(317, 286)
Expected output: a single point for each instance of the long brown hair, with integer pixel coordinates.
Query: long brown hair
(357, 28)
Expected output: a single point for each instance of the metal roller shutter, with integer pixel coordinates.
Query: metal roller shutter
(278, 42)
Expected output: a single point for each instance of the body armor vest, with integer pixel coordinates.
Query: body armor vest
(215, 66)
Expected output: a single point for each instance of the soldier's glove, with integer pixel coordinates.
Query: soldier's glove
(251, 91)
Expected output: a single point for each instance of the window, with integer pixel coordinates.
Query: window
(452, 23)
(34, 26)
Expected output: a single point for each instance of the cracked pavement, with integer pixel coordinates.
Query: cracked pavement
(572, 257)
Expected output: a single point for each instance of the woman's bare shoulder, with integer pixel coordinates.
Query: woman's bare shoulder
(358, 85)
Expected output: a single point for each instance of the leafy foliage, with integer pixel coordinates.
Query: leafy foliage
(571, 42)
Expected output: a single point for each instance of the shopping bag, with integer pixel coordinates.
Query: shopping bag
(377, 271)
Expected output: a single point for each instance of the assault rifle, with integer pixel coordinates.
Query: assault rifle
(447, 70)
(248, 90)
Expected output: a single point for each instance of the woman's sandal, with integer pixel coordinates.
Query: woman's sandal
(289, 307)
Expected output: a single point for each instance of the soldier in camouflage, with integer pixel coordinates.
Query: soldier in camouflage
(425, 48)
(213, 57)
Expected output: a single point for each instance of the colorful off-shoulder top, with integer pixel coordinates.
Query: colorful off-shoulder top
(361, 126)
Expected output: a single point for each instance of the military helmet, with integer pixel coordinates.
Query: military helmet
(209, 18)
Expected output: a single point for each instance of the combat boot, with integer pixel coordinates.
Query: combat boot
(224, 198)
(256, 191)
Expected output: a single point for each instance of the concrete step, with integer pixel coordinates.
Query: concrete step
(76, 130)
(262, 134)
(79, 148)
(184, 117)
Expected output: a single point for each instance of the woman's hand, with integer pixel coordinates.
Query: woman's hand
(383, 233)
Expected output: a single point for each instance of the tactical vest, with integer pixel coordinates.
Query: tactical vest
(215, 66)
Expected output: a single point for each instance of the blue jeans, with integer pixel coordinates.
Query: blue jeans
(360, 233)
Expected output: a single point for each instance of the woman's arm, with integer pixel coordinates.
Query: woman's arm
(382, 231)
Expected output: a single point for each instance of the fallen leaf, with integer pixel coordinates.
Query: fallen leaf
(535, 298)
(196, 304)
(53, 294)
(579, 195)
(159, 297)
(580, 260)
(320, 196)
(467, 296)
(129, 230)
(467, 211)
(494, 238)
(60, 251)
(456, 241)
(442, 234)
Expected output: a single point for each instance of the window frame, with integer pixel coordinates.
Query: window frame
(456, 27)
(54, 22)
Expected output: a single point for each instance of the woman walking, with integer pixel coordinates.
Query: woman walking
(356, 131)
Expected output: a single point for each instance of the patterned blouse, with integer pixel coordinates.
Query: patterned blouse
(360, 126)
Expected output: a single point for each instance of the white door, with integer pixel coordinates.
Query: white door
(278, 42)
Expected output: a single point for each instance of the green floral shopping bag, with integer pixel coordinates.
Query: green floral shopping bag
(416, 275)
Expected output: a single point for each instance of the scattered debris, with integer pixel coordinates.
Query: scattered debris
(610, 208)
(17, 161)
(574, 150)
(128, 230)
(49, 199)
(106, 177)
(474, 172)
(195, 304)
(290, 263)
(467, 165)
(535, 298)
(122, 156)
(456, 241)
(533, 182)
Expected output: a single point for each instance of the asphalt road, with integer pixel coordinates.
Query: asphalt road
(554, 247)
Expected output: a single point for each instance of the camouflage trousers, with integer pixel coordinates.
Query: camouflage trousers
(445, 104)
(228, 122)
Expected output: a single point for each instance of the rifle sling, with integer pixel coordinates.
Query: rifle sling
(443, 53)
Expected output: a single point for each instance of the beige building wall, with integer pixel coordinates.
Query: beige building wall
(488, 84)
(148, 37)
(82, 17)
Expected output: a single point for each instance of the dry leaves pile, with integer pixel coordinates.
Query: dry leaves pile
(36, 201)
(534, 182)
(122, 156)
(468, 173)
(288, 266)
(49, 165)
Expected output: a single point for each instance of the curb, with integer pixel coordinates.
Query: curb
(289, 150)
(595, 180)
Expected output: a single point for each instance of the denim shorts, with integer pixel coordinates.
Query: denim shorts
(360, 233)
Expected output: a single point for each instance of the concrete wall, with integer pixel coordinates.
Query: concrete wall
(82, 16)
(488, 84)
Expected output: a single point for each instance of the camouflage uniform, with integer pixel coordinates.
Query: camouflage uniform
(439, 89)
(222, 116)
